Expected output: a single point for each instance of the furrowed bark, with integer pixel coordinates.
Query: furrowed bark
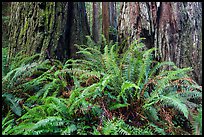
(174, 28)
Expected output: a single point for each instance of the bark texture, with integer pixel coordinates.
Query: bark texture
(113, 21)
(95, 27)
(5, 18)
(105, 19)
(175, 28)
(53, 26)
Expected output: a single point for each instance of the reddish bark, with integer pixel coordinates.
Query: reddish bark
(105, 20)
(166, 26)
(95, 27)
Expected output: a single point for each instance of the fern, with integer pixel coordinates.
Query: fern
(145, 66)
(156, 129)
(119, 127)
(12, 102)
(152, 114)
(159, 65)
(21, 59)
(48, 118)
(102, 85)
(197, 123)
(60, 105)
(45, 126)
(135, 66)
(118, 105)
(15, 77)
(69, 130)
(88, 92)
(19, 130)
(127, 85)
(48, 123)
(173, 100)
(7, 123)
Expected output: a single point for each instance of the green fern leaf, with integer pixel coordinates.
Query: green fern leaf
(172, 100)
(13, 103)
(127, 85)
(69, 129)
(118, 105)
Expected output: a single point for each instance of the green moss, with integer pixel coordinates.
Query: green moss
(24, 29)
(48, 14)
(4, 61)
(51, 19)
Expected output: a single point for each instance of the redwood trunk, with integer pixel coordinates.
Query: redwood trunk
(95, 27)
(105, 19)
(172, 27)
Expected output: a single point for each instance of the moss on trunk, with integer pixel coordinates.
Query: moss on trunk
(37, 27)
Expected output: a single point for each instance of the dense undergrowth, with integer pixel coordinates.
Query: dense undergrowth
(104, 92)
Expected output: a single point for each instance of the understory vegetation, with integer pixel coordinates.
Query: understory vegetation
(102, 93)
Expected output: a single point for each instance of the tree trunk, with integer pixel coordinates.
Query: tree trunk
(172, 27)
(37, 27)
(79, 27)
(105, 19)
(95, 27)
(5, 19)
(113, 21)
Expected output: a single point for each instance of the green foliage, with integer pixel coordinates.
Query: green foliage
(126, 85)
(22, 59)
(30, 75)
(119, 127)
(134, 70)
(197, 123)
(103, 92)
(7, 123)
(49, 118)
(12, 102)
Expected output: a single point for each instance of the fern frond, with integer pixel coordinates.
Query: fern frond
(60, 105)
(48, 125)
(197, 123)
(69, 130)
(34, 114)
(159, 65)
(88, 92)
(190, 94)
(7, 123)
(152, 113)
(177, 103)
(119, 127)
(21, 129)
(12, 102)
(28, 60)
(127, 85)
(156, 129)
(53, 121)
(118, 105)
(168, 76)
(144, 69)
